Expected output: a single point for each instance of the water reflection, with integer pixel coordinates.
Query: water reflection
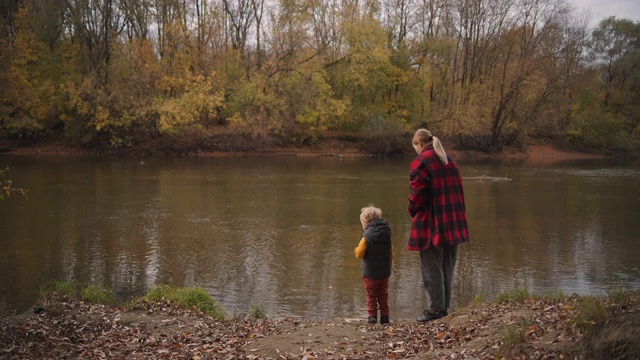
(280, 232)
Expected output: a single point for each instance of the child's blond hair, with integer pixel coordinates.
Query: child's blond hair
(370, 213)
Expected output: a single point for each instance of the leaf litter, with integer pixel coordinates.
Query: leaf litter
(70, 329)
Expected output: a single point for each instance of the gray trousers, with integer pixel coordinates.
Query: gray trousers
(437, 265)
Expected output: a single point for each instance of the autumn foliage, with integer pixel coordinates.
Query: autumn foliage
(488, 73)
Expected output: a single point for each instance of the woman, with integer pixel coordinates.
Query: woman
(436, 204)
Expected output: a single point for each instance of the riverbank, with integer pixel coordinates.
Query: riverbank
(543, 152)
(519, 326)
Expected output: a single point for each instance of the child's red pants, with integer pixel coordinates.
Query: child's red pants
(377, 296)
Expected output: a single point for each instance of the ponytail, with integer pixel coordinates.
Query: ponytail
(437, 146)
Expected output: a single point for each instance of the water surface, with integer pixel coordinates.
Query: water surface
(280, 232)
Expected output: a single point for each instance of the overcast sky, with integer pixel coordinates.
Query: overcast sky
(600, 9)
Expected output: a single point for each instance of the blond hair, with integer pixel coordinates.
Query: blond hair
(370, 213)
(424, 135)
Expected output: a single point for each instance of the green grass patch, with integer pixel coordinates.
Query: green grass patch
(619, 296)
(477, 299)
(186, 298)
(589, 312)
(513, 334)
(56, 292)
(554, 296)
(97, 294)
(70, 289)
(519, 294)
(257, 311)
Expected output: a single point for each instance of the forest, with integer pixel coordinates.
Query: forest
(246, 74)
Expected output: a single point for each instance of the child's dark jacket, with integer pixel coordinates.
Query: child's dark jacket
(376, 263)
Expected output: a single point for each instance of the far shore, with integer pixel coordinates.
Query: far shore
(538, 152)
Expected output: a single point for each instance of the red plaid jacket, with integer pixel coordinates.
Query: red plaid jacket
(436, 202)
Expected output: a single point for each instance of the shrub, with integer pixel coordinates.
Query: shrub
(385, 136)
(600, 130)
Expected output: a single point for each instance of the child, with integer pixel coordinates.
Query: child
(376, 252)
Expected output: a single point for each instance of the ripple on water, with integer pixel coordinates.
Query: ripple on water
(486, 178)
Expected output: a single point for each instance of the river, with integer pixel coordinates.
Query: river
(279, 232)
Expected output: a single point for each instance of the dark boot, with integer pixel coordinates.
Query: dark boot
(384, 319)
(428, 315)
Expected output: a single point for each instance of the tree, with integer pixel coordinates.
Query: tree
(8, 9)
(615, 47)
(137, 18)
(517, 82)
(26, 103)
(325, 26)
(240, 16)
(367, 75)
(111, 72)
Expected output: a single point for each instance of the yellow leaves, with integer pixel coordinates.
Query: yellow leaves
(24, 42)
(326, 110)
(197, 99)
(370, 59)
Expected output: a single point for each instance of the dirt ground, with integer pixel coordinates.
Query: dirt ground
(476, 332)
(533, 328)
